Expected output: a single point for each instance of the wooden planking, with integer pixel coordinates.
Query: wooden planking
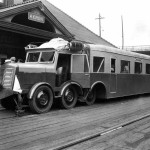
(57, 127)
(132, 137)
(60, 138)
(52, 123)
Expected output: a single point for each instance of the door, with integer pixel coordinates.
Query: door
(80, 70)
(113, 76)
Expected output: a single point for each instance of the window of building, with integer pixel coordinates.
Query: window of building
(147, 68)
(138, 67)
(125, 66)
(113, 65)
(98, 64)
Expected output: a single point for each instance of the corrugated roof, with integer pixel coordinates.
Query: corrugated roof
(78, 30)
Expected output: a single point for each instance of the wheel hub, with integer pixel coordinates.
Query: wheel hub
(43, 99)
(69, 96)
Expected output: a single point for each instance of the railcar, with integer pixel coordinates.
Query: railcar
(73, 72)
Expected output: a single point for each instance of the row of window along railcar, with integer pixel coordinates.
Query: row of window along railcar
(118, 73)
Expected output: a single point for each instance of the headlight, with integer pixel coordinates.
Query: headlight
(8, 78)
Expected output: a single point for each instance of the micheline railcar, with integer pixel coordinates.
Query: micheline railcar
(76, 72)
(120, 72)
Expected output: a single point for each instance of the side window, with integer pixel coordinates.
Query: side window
(138, 67)
(79, 64)
(113, 65)
(33, 57)
(125, 66)
(98, 64)
(147, 68)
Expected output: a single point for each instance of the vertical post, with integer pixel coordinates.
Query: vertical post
(122, 33)
(99, 18)
(99, 25)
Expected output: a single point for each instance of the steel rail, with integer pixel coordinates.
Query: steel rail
(101, 133)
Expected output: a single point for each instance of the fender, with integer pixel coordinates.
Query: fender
(97, 82)
(68, 84)
(104, 89)
(35, 86)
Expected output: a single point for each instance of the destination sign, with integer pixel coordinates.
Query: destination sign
(36, 17)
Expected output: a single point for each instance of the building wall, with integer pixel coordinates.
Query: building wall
(18, 1)
(10, 2)
(2, 3)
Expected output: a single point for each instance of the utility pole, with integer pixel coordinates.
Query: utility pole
(122, 33)
(99, 18)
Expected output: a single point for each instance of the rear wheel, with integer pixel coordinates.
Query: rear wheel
(69, 98)
(91, 97)
(42, 100)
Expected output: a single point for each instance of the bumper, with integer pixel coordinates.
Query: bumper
(5, 93)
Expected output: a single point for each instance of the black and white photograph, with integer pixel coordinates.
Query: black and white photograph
(74, 75)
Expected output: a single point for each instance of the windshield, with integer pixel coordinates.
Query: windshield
(47, 57)
(44, 57)
(33, 57)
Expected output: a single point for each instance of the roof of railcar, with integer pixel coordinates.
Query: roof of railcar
(108, 49)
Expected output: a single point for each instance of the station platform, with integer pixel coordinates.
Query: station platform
(58, 127)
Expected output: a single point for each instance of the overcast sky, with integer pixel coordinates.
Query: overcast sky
(136, 18)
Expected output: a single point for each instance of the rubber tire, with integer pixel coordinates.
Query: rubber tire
(8, 103)
(91, 100)
(33, 103)
(74, 101)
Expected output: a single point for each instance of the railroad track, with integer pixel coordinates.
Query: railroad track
(99, 134)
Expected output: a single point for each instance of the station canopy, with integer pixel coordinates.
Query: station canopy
(39, 18)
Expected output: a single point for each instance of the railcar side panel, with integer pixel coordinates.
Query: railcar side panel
(81, 78)
(125, 84)
(132, 84)
(102, 78)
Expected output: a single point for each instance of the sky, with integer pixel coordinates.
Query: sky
(135, 14)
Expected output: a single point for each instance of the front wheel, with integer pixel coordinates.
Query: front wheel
(91, 97)
(42, 100)
(69, 97)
